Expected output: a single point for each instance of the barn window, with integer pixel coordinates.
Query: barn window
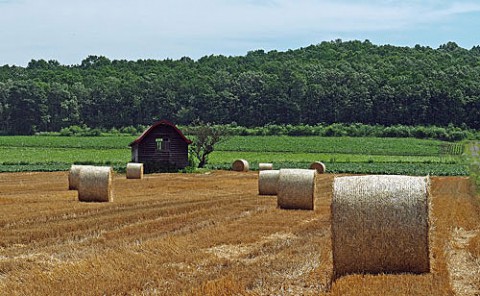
(163, 144)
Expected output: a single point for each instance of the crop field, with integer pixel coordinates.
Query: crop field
(341, 155)
(344, 145)
(55, 153)
(347, 154)
(207, 234)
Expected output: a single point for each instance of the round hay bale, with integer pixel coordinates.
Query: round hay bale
(265, 166)
(134, 170)
(268, 182)
(380, 224)
(240, 165)
(319, 166)
(73, 176)
(95, 184)
(296, 189)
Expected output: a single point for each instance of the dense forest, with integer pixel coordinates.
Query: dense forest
(331, 82)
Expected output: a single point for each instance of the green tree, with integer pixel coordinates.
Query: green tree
(28, 111)
(331, 82)
(205, 138)
(4, 107)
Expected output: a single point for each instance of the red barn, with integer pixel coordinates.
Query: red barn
(162, 147)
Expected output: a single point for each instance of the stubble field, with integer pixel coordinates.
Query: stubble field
(207, 234)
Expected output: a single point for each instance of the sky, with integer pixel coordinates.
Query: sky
(68, 31)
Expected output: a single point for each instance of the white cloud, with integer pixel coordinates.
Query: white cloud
(454, 9)
(149, 28)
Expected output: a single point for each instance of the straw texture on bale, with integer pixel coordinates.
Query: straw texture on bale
(73, 176)
(240, 165)
(95, 184)
(134, 170)
(380, 224)
(265, 166)
(296, 189)
(319, 166)
(268, 182)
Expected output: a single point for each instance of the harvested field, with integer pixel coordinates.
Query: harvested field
(206, 234)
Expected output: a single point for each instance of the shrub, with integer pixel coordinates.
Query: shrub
(130, 130)
(74, 130)
(275, 130)
(92, 132)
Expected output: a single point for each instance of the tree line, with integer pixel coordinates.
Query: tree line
(331, 82)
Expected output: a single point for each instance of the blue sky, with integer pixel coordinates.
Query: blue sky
(69, 31)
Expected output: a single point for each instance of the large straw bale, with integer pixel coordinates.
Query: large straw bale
(240, 165)
(95, 184)
(296, 189)
(319, 166)
(134, 170)
(268, 182)
(73, 176)
(380, 224)
(265, 166)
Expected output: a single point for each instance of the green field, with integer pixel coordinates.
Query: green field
(110, 142)
(342, 145)
(340, 154)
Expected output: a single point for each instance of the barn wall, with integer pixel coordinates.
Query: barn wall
(135, 153)
(177, 155)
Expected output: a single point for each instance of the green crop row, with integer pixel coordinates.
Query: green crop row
(314, 144)
(107, 142)
(230, 156)
(62, 155)
(52, 167)
(413, 169)
(343, 145)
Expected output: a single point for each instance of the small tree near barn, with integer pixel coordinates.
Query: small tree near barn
(206, 136)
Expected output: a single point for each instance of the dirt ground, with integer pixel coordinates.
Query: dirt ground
(206, 234)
